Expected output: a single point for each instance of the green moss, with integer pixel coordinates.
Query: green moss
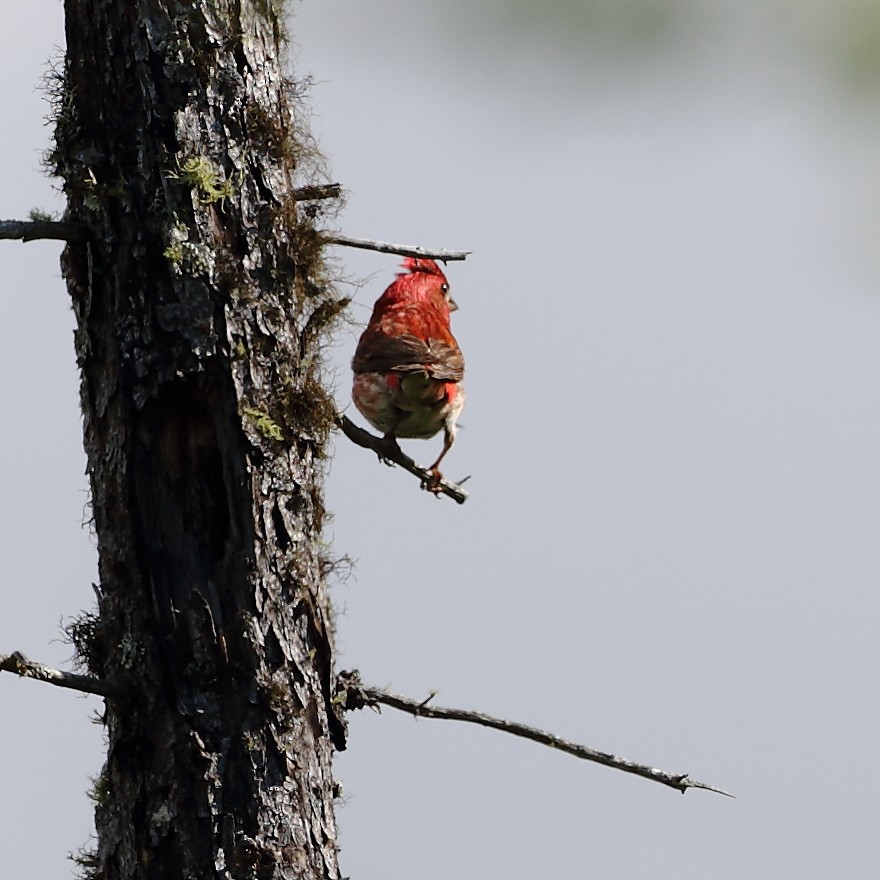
(132, 651)
(279, 697)
(206, 178)
(39, 216)
(87, 861)
(270, 133)
(99, 792)
(83, 632)
(310, 406)
(63, 113)
(173, 253)
(264, 423)
(322, 320)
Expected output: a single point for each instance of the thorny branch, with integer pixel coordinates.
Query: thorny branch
(353, 694)
(397, 456)
(17, 663)
(385, 247)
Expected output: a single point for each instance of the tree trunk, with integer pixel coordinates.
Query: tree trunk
(201, 300)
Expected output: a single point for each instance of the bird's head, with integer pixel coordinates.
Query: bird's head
(422, 280)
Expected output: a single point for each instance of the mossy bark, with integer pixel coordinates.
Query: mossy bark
(200, 299)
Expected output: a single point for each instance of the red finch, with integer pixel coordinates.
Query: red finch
(408, 366)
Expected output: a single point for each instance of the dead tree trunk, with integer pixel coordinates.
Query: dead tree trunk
(200, 302)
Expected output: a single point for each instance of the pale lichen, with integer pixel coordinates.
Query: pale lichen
(188, 257)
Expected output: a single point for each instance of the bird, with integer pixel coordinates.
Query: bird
(408, 367)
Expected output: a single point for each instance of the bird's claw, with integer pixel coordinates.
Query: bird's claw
(390, 451)
(431, 483)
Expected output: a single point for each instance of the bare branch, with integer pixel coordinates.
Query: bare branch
(31, 230)
(385, 247)
(397, 456)
(322, 191)
(19, 664)
(355, 695)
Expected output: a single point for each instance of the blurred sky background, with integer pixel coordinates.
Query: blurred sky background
(671, 323)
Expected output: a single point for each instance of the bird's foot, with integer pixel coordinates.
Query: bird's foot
(389, 450)
(432, 482)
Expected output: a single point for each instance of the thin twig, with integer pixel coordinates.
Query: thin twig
(19, 664)
(397, 456)
(385, 247)
(31, 230)
(358, 695)
(318, 191)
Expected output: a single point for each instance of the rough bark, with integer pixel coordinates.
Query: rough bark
(200, 303)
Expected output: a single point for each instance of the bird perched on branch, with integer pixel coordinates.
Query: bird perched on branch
(408, 367)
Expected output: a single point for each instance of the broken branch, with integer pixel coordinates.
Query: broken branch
(59, 230)
(32, 230)
(318, 191)
(17, 663)
(355, 695)
(394, 454)
(385, 247)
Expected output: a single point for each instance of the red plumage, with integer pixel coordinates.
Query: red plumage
(408, 367)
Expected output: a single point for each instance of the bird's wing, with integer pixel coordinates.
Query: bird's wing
(378, 353)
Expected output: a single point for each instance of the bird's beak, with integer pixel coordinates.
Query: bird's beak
(453, 305)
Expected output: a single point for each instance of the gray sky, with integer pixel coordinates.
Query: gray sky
(670, 323)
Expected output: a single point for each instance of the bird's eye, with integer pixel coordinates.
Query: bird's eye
(444, 287)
